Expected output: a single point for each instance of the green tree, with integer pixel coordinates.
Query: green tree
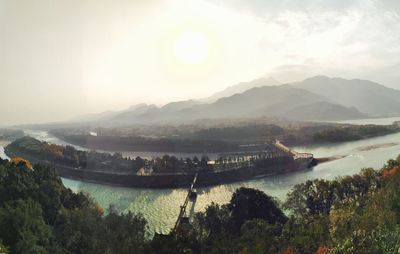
(81, 231)
(257, 236)
(22, 227)
(306, 234)
(4, 249)
(247, 204)
(378, 241)
(126, 233)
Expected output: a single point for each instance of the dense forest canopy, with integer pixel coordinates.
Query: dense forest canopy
(351, 214)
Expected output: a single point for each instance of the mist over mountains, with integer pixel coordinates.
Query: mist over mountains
(242, 87)
(318, 98)
(369, 97)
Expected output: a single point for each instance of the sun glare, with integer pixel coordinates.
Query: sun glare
(191, 48)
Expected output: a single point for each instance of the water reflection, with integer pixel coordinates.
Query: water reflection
(161, 207)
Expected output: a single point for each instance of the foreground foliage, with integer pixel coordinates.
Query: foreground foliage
(39, 215)
(351, 214)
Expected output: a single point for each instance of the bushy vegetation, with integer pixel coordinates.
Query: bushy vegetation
(353, 132)
(170, 164)
(69, 156)
(39, 215)
(351, 214)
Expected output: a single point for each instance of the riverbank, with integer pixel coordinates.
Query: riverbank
(261, 168)
(377, 146)
(328, 159)
(161, 206)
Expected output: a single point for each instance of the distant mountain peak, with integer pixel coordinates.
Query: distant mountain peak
(271, 80)
(315, 98)
(179, 105)
(242, 87)
(136, 106)
(369, 97)
(263, 81)
(317, 78)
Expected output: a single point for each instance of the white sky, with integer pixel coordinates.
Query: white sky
(62, 58)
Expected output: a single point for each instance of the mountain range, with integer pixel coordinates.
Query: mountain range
(318, 98)
(242, 87)
(369, 97)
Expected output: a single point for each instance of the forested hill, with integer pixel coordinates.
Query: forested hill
(352, 214)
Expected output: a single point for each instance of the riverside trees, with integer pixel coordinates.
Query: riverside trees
(353, 214)
(98, 161)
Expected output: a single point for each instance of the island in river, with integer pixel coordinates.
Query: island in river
(164, 172)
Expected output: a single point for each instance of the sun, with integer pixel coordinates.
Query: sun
(191, 48)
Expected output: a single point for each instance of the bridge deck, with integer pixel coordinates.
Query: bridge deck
(293, 153)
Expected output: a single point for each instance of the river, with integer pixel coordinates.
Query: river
(161, 207)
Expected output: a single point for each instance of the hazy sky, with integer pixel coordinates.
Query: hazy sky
(61, 58)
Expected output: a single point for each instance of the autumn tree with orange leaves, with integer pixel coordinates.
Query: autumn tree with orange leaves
(290, 250)
(18, 160)
(322, 250)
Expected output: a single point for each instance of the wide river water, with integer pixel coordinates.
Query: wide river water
(161, 207)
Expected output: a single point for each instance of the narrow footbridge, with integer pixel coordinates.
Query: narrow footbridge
(293, 153)
(183, 207)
